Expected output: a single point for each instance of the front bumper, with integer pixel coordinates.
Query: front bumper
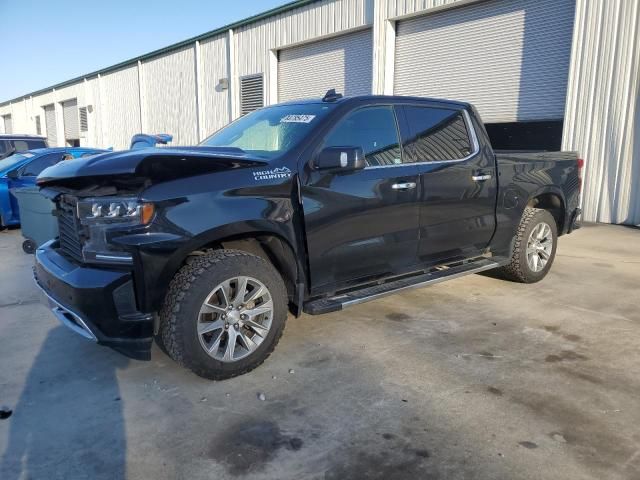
(97, 303)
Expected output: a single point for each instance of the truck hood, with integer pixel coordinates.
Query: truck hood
(149, 164)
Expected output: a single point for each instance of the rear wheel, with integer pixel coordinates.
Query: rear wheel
(224, 313)
(534, 248)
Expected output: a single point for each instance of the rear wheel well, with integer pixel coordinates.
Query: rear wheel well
(553, 203)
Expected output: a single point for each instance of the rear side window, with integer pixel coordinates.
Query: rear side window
(374, 129)
(436, 134)
(21, 145)
(38, 143)
(34, 168)
(24, 145)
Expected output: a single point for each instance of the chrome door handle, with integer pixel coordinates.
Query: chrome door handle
(404, 186)
(481, 178)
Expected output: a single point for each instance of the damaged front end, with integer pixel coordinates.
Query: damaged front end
(99, 198)
(93, 274)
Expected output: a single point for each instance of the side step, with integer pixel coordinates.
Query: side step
(440, 274)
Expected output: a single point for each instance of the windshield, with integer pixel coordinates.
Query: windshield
(271, 131)
(13, 160)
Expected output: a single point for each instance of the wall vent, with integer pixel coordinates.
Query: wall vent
(84, 124)
(251, 93)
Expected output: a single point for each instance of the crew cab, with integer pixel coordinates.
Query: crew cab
(307, 206)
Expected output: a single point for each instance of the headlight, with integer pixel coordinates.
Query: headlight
(106, 211)
(103, 217)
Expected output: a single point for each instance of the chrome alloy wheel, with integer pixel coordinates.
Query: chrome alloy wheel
(539, 247)
(235, 318)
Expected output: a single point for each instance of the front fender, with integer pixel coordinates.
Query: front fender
(158, 262)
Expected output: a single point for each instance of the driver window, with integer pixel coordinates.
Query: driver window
(373, 129)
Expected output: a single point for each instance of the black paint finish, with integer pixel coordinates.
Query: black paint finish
(338, 229)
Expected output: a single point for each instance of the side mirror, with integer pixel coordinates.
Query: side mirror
(13, 174)
(343, 159)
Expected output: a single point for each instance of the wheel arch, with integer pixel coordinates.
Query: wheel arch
(266, 243)
(550, 199)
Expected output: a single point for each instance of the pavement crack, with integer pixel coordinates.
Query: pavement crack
(19, 303)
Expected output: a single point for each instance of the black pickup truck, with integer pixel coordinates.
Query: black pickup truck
(307, 206)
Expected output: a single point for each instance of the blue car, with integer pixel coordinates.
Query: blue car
(21, 170)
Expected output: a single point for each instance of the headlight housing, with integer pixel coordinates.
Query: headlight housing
(103, 215)
(109, 211)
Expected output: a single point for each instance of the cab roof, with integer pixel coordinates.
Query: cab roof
(15, 136)
(376, 98)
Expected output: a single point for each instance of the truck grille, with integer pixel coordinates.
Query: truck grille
(69, 230)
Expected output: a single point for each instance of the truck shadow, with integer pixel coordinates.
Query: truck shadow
(68, 422)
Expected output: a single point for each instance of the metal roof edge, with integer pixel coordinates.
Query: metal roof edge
(175, 46)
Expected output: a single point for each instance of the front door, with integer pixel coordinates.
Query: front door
(458, 183)
(362, 224)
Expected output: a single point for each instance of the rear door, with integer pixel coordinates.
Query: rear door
(458, 183)
(362, 224)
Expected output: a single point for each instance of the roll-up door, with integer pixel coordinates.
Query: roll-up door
(50, 123)
(508, 57)
(8, 126)
(71, 122)
(343, 63)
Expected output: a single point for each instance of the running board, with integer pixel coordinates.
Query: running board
(440, 274)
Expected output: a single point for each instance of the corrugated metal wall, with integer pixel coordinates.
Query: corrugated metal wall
(93, 137)
(120, 107)
(602, 108)
(169, 96)
(602, 117)
(254, 42)
(214, 100)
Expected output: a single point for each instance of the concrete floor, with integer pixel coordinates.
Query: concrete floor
(476, 378)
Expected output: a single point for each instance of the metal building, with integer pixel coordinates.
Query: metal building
(555, 72)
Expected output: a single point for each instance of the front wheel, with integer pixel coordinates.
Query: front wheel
(534, 248)
(224, 313)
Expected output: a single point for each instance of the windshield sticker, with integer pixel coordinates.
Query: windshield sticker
(282, 172)
(297, 119)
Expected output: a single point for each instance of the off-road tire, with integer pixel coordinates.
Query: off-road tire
(517, 269)
(187, 292)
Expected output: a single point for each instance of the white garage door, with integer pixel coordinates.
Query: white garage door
(50, 122)
(508, 57)
(8, 126)
(343, 63)
(70, 116)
